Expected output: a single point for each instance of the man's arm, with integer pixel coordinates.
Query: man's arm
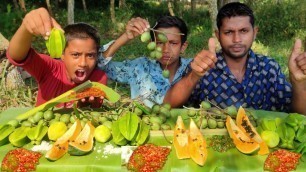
(298, 97)
(134, 28)
(178, 94)
(297, 68)
(37, 22)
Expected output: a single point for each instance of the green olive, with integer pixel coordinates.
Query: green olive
(153, 54)
(156, 108)
(231, 110)
(167, 105)
(145, 37)
(192, 112)
(166, 73)
(48, 115)
(155, 126)
(212, 123)
(158, 54)
(65, 118)
(162, 37)
(205, 105)
(138, 111)
(220, 124)
(38, 115)
(151, 46)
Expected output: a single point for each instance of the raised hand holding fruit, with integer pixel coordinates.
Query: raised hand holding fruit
(137, 26)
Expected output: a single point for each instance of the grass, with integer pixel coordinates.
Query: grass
(275, 38)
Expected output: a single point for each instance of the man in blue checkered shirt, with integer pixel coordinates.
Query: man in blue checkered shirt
(236, 75)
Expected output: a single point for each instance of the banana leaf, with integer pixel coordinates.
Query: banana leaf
(70, 95)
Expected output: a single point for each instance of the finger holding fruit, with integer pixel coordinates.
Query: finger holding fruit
(136, 26)
(39, 22)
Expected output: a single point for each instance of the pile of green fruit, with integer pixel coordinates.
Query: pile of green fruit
(211, 116)
(122, 124)
(287, 133)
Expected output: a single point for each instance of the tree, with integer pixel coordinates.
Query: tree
(112, 11)
(70, 11)
(49, 7)
(213, 11)
(22, 5)
(193, 7)
(223, 2)
(56, 4)
(84, 6)
(170, 7)
(122, 3)
(16, 4)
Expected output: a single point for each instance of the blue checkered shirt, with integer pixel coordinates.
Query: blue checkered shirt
(264, 86)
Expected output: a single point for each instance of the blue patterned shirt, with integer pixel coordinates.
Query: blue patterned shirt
(264, 86)
(144, 76)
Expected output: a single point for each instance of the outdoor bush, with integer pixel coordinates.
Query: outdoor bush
(278, 21)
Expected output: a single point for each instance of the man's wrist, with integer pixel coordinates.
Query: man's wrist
(192, 79)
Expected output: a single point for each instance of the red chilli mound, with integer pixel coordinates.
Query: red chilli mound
(282, 161)
(148, 158)
(21, 160)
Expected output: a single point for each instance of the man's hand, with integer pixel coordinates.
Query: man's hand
(93, 102)
(297, 62)
(205, 59)
(39, 22)
(136, 26)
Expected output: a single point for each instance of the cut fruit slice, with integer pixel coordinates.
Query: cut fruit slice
(242, 142)
(197, 144)
(84, 141)
(60, 147)
(180, 139)
(246, 126)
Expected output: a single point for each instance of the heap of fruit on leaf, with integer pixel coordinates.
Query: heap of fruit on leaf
(74, 132)
(287, 133)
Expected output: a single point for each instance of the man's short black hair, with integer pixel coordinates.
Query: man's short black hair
(168, 21)
(234, 9)
(81, 31)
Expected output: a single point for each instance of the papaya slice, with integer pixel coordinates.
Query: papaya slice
(83, 143)
(57, 151)
(197, 144)
(60, 147)
(247, 128)
(242, 142)
(180, 139)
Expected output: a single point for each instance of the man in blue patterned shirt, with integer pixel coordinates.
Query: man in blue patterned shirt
(144, 75)
(236, 75)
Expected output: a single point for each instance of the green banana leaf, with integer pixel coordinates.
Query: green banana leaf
(100, 160)
(68, 96)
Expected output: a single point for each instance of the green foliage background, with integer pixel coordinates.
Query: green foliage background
(279, 25)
